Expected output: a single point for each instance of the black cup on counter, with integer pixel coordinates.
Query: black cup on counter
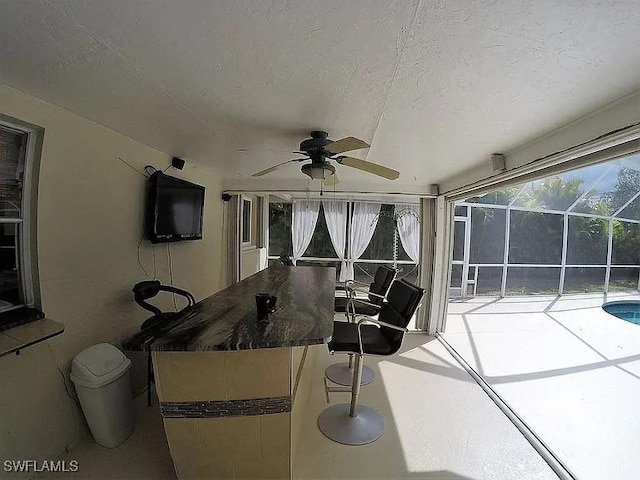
(265, 305)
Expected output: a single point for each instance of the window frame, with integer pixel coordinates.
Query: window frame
(27, 235)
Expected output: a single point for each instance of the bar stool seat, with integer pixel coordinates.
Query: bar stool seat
(345, 339)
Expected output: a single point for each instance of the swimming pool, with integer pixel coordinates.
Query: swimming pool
(629, 311)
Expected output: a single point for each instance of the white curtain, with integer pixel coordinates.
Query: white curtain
(304, 218)
(409, 229)
(363, 223)
(335, 214)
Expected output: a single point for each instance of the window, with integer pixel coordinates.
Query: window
(458, 241)
(320, 251)
(280, 229)
(246, 221)
(17, 150)
(535, 238)
(320, 245)
(587, 241)
(381, 245)
(487, 235)
(574, 232)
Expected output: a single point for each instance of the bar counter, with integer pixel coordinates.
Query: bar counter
(227, 319)
(232, 389)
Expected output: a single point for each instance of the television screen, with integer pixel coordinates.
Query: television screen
(174, 209)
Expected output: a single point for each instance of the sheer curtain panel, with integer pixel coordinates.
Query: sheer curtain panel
(335, 214)
(363, 224)
(304, 219)
(409, 229)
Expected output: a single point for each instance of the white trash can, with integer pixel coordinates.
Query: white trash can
(101, 376)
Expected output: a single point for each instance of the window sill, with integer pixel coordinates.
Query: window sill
(17, 338)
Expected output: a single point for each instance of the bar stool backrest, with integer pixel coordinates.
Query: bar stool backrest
(143, 291)
(402, 302)
(381, 282)
(285, 260)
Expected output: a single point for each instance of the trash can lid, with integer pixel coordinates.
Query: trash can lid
(98, 365)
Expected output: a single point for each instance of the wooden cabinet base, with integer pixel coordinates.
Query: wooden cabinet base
(234, 414)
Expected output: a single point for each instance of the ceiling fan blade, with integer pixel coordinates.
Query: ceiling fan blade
(262, 150)
(271, 169)
(374, 168)
(331, 181)
(346, 145)
(270, 150)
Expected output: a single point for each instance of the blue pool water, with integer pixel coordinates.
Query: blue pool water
(629, 311)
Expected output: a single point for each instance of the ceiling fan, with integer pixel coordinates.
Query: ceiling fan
(319, 149)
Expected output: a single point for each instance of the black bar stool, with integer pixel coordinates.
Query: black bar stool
(153, 326)
(350, 423)
(351, 306)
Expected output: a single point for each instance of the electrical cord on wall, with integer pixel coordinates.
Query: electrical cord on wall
(155, 268)
(144, 174)
(140, 260)
(64, 378)
(175, 305)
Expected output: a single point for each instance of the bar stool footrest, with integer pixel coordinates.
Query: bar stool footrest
(341, 374)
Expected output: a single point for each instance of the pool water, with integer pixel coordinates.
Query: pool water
(629, 311)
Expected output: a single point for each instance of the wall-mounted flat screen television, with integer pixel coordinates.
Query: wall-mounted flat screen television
(174, 209)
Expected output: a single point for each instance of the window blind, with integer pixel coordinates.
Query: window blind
(12, 154)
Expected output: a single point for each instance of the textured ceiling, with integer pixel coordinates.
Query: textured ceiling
(434, 86)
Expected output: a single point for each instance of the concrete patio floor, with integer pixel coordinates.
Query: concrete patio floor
(440, 426)
(567, 368)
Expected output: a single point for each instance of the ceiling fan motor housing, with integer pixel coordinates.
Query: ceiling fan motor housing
(316, 143)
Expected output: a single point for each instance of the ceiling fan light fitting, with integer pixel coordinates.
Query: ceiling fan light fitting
(318, 172)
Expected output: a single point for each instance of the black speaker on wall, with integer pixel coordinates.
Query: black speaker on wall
(177, 163)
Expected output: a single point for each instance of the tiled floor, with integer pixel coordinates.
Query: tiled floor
(567, 368)
(440, 425)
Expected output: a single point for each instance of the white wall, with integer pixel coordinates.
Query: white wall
(253, 260)
(90, 217)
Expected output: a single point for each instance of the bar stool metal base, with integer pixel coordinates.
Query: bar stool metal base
(336, 424)
(341, 374)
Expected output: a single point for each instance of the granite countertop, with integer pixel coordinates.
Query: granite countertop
(227, 320)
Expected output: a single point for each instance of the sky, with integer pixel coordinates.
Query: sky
(600, 178)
